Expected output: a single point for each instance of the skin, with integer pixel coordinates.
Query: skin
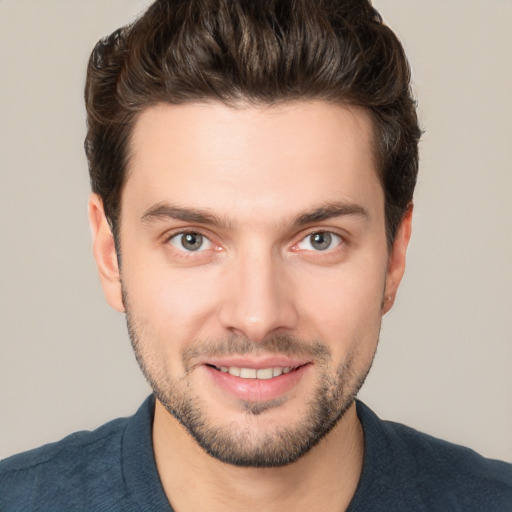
(259, 172)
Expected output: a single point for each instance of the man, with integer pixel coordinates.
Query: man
(253, 167)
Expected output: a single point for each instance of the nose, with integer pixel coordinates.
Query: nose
(258, 297)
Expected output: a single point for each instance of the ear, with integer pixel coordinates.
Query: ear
(104, 251)
(396, 260)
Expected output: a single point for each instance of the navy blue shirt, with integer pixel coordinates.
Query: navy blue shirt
(113, 468)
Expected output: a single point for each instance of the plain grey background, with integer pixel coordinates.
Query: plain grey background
(445, 356)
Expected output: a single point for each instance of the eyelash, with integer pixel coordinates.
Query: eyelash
(331, 237)
(183, 252)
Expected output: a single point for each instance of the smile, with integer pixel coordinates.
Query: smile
(268, 381)
(253, 373)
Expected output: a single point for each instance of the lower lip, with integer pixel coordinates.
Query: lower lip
(257, 390)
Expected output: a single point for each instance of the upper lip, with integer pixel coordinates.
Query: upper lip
(255, 362)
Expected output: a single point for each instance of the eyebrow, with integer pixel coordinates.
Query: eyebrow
(196, 215)
(330, 211)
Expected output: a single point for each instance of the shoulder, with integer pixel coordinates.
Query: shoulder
(85, 442)
(451, 462)
(57, 473)
(432, 473)
(111, 468)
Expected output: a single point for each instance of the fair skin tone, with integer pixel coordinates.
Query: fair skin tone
(239, 227)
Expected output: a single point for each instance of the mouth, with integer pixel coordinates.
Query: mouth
(256, 373)
(265, 383)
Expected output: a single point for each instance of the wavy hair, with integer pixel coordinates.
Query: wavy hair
(261, 52)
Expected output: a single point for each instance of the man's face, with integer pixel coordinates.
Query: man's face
(254, 270)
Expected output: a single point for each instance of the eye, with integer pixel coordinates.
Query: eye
(190, 242)
(319, 241)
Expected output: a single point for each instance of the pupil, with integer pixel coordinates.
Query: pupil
(192, 241)
(321, 241)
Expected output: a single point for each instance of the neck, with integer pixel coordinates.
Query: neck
(324, 479)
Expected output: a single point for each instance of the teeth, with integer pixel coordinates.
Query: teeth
(248, 373)
(266, 373)
(233, 370)
(252, 373)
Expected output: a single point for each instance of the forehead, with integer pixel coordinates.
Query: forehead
(247, 160)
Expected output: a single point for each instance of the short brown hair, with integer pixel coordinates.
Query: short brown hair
(261, 52)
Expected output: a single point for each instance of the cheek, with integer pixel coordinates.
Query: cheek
(172, 304)
(344, 305)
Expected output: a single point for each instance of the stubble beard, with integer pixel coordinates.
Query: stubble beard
(329, 401)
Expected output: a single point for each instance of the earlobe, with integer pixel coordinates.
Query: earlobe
(396, 260)
(104, 251)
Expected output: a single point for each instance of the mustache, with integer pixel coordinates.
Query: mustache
(284, 344)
